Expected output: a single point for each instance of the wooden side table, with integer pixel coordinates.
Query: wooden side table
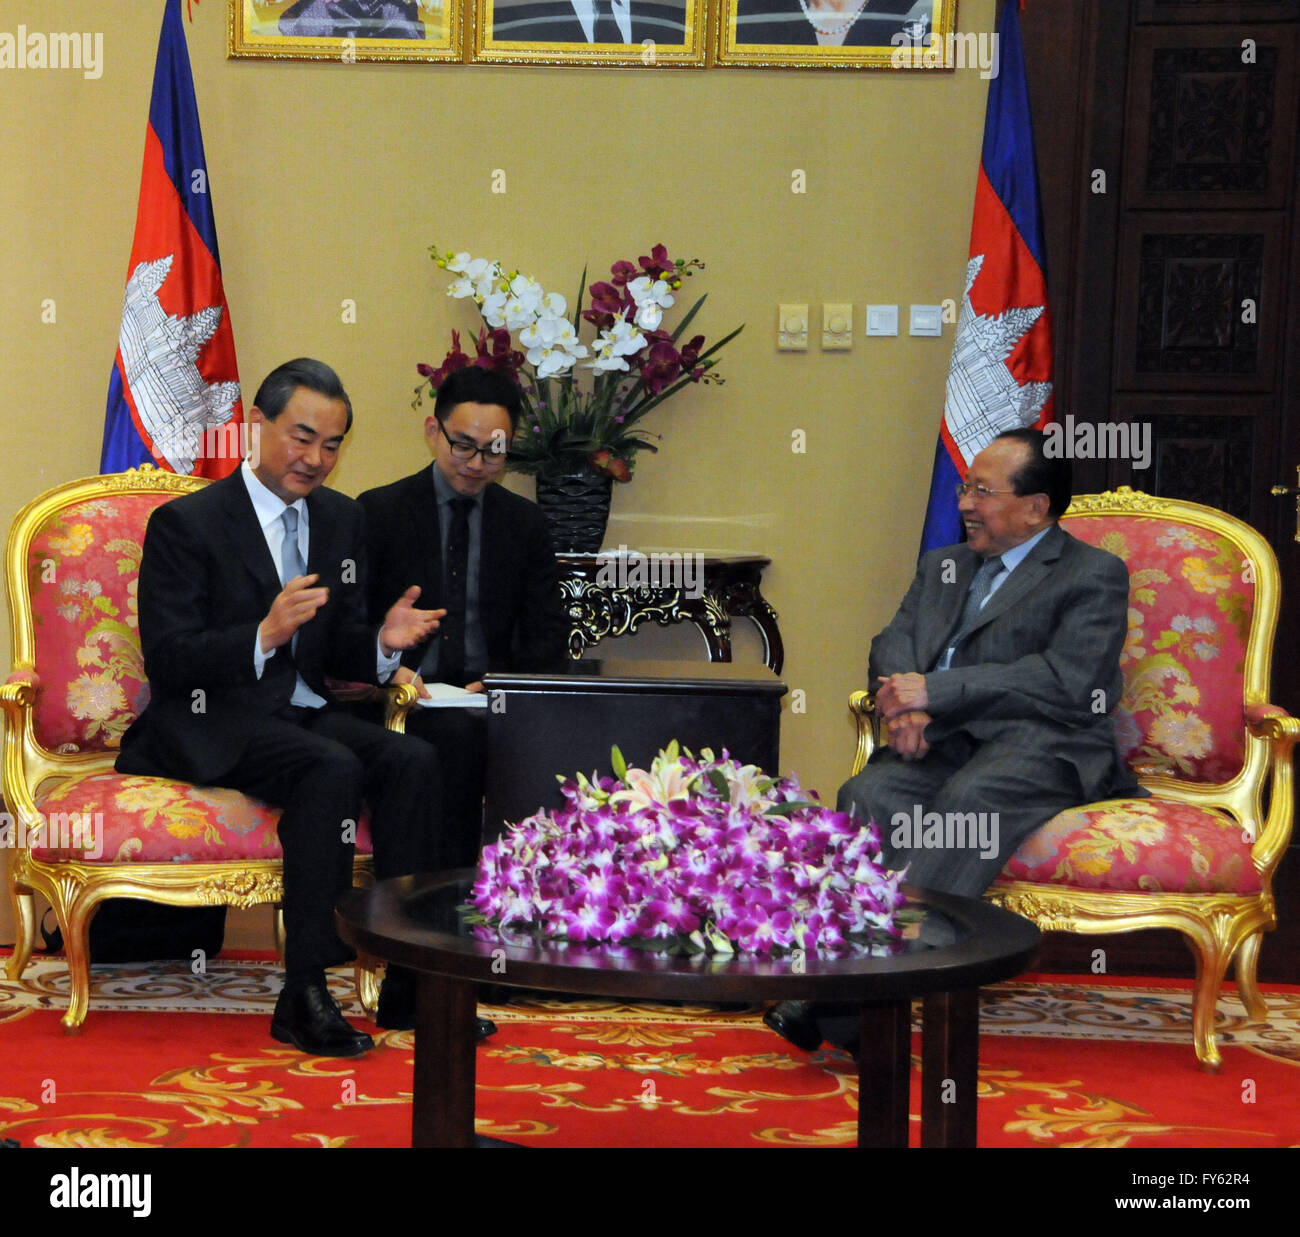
(601, 601)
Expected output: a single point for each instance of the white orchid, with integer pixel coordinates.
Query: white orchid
(612, 346)
(652, 297)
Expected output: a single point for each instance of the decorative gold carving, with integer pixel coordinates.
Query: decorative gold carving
(241, 889)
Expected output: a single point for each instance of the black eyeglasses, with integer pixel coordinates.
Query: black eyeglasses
(493, 455)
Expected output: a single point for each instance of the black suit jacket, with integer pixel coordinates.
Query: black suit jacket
(556, 22)
(207, 580)
(520, 607)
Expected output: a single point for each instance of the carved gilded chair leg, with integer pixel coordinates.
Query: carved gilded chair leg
(74, 921)
(277, 929)
(1246, 968)
(1211, 963)
(24, 915)
(367, 983)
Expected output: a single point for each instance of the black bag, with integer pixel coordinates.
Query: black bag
(129, 930)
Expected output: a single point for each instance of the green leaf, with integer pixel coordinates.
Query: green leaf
(789, 809)
(718, 779)
(620, 765)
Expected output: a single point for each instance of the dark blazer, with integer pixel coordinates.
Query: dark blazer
(207, 580)
(556, 22)
(782, 23)
(1045, 643)
(520, 608)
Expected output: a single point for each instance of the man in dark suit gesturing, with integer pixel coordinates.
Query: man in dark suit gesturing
(251, 592)
(996, 677)
(484, 555)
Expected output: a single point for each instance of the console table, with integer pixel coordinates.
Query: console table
(539, 725)
(598, 608)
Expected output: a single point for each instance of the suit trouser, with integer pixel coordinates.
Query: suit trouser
(319, 766)
(985, 797)
(459, 736)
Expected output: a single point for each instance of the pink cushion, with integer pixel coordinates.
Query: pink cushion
(157, 820)
(1189, 619)
(82, 569)
(1141, 846)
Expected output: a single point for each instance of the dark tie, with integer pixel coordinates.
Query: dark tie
(451, 651)
(606, 29)
(979, 590)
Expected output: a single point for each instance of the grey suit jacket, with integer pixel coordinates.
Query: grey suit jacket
(1040, 667)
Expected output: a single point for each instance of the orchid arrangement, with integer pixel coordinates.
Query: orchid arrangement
(582, 402)
(690, 856)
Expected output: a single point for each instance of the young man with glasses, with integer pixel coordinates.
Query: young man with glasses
(484, 555)
(997, 678)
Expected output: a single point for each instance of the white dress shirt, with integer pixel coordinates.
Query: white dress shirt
(269, 509)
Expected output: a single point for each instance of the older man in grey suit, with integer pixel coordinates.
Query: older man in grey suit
(997, 677)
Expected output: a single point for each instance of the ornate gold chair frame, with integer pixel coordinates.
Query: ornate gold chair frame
(1219, 928)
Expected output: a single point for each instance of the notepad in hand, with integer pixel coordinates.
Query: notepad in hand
(445, 696)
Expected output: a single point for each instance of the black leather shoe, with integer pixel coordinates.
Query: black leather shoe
(396, 1010)
(485, 1028)
(795, 1021)
(307, 1017)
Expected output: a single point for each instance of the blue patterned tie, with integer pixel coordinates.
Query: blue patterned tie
(979, 590)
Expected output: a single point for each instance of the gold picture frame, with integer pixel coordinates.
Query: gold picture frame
(347, 30)
(836, 34)
(658, 32)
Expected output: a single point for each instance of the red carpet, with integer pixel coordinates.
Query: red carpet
(611, 1076)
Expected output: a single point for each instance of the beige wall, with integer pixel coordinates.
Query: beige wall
(329, 181)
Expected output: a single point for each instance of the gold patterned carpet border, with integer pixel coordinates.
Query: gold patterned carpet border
(1060, 1009)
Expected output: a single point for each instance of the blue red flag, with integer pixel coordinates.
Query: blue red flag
(1000, 375)
(173, 396)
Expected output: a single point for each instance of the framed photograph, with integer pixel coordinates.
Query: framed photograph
(631, 33)
(347, 30)
(837, 34)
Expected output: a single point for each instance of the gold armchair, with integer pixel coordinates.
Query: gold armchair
(1199, 855)
(81, 831)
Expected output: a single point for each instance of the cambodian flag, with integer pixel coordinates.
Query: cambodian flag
(173, 396)
(1000, 375)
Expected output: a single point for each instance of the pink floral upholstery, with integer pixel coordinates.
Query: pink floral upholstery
(1139, 846)
(82, 569)
(156, 820)
(1190, 603)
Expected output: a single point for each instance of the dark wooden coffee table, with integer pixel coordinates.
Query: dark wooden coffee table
(413, 922)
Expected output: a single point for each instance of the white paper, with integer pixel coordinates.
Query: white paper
(445, 696)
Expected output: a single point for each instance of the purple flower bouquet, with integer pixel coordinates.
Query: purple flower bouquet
(691, 856)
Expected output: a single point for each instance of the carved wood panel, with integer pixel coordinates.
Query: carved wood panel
(1217, 10)
(1199, 304)
(1211, 118)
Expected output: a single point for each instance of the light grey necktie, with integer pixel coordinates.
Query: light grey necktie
(291, 563)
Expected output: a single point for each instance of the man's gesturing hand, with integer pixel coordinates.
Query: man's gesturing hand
(294, 604)
(901, 693)
(405, 626)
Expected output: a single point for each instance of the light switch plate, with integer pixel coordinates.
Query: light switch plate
(837, 326)
(882, 319)
(926, 320)
(792, 328)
